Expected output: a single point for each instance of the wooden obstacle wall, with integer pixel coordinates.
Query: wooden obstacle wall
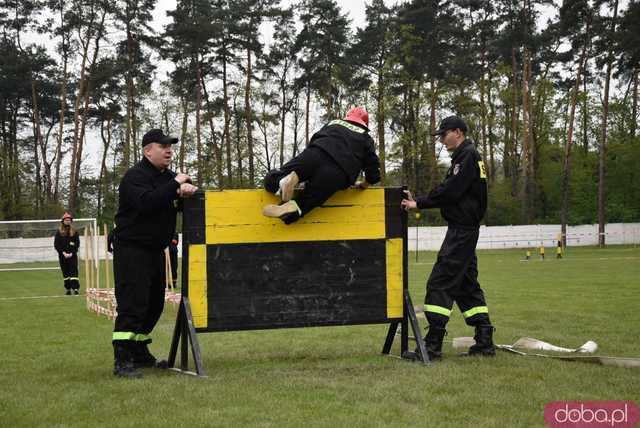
(342, 264)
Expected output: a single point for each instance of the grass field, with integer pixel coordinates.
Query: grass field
(57, 358)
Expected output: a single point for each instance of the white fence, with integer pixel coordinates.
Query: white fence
(496, 237)
(20, 250)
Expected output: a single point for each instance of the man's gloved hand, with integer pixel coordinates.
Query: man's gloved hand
(408, 203)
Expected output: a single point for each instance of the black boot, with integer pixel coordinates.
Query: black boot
(484, 341)
(433, 343)
(123, 365)
(144, 358)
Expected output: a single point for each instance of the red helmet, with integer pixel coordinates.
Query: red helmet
(358, 115)
(66, 215)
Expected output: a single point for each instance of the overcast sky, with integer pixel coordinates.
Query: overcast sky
(355, 9)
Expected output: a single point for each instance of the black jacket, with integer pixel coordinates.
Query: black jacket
(462, 196)
(66, 244)
(351, 147)
(148, 204)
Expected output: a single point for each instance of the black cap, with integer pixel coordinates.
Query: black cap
(451, 122)
(157, 136)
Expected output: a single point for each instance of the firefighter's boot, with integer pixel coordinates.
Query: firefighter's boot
(288, 212)
(144, 358)
(433, 344)
(123, 365)
(484, 341)
(287, 184)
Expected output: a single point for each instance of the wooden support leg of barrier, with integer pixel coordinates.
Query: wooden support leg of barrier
(409, 318)
(415, 327)
(391, 334)
(185, 331)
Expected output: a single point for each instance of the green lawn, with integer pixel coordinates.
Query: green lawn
(57, 358)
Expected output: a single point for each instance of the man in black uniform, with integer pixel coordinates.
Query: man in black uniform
(145, 223)
(333, 160)
(462, 199)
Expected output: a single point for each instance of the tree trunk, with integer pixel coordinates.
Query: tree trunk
(106, 143)
(48, 179)
(63, 104)
(513, 155)
(414, 149)
(249, 119)
(566, 175)
(380, 122)
(283, 113)
(126, 150)
(216, 147)
(492, 115)
(432, 128)
(585, 122)
(602, 152)
(37, 142)
(406, 154)
(262, 125)
(236, 117)
(528, 183)
(306, 114)
(227, 119)
(183, 134)
(76, 125)
(296, 123)
(73, 190)
(483, 116)
(634, 108)
(199, 162)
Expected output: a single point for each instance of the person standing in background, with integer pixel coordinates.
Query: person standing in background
(67, 243)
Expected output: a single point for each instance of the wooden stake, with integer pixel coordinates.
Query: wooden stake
(87, 275)
(107, 280)
(167, 269)
(96, 257)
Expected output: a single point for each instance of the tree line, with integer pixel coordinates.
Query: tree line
(551, 99)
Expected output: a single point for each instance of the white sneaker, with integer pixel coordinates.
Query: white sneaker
(278, 211)
(287, 184)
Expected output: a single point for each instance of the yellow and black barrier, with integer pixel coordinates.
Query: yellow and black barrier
(344, 263)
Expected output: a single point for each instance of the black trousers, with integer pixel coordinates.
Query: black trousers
(454, 278)
(69, 268)
(322, 177)
(139, 276)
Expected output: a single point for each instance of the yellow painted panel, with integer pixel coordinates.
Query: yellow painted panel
(198, 284)
(394, 278)
(235, 216)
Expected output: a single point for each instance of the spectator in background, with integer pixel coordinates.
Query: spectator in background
(67, 243)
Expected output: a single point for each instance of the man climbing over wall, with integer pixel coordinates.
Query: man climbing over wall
(333, 160)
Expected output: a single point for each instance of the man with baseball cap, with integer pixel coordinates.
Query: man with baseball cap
(462, 199)
(149, 199)
(333, 160)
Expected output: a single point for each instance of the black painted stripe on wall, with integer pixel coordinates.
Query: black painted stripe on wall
(393, 214)
(296, 284)
(193, 230)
